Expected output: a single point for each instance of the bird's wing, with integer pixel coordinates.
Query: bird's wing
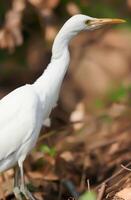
(18, 112)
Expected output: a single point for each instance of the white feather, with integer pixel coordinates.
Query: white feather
(20, 122)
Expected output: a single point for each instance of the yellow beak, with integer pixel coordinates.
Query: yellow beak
(105, 21)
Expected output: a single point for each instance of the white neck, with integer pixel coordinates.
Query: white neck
(50, 81)
(61, 41)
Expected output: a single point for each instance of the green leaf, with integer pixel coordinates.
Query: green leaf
(99, 103)
(49, 150)
(117, 94)
(88, 196)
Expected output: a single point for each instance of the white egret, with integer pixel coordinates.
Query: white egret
(23, 111)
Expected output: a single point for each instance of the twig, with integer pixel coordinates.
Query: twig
(126, 168)
(88, 185)
(101, 191)
(46, 135)
(114, 175)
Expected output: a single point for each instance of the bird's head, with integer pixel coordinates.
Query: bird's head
(81, 22)
(76, 24)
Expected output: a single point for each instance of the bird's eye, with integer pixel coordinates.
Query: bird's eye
(87, 22)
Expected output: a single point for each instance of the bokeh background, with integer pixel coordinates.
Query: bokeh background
(95, 95)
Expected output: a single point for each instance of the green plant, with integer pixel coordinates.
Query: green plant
(48, 150)
(88, 195)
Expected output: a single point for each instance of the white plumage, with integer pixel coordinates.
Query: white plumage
(23, 111)
(20, 123)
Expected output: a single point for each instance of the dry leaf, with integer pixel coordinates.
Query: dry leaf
(67, 156)
(35, 175)
(124, 194)
(78, 115)
(117, 109)
(51, 177)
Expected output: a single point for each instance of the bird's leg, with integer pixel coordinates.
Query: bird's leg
(16, 190)
(23, 187)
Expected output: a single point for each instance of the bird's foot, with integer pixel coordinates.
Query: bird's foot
(17, 193)
(24, 190)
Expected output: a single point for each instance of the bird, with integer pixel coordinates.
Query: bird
(24, 110)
